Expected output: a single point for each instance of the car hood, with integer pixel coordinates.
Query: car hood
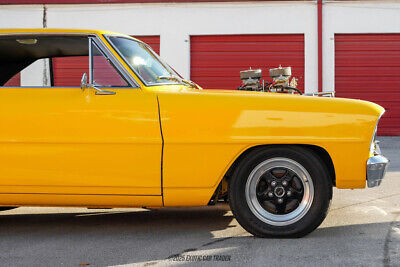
(285, 101)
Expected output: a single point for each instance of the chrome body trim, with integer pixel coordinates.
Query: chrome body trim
(376, 170)
(90, 62)
(113, 61)
(49, 33)
(121, 69)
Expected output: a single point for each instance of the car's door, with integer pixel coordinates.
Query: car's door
(68, 141)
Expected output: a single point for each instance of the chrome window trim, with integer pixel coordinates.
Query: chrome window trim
(90, 61)
(92, 42)
(107, 37)
(108, 55)
(121, 70)
(50, 33)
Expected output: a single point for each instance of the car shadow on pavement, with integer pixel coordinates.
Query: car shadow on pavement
(146, 237)
(346, 245)
(104, 237)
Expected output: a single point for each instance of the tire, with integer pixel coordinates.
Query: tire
(259, 196)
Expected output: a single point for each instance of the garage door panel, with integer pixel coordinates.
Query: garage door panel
(389, 131)
(378, 46)
(366, 38)
(216, 60)
(246, 57)
(14, 81)
(369, 61)
(246, 62)
(256, 38)
(367, 66)
(379, 86)
(68, 71)
(379, 73)
(216, 83)
(378, 97)
(254, 47)
(153, 41)
(252, 54)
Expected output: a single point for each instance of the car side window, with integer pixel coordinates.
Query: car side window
(55, 61)
(102, 72)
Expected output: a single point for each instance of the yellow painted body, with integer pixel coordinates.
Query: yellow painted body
(165, 145)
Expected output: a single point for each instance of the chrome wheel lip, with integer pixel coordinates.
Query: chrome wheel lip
(274, 219)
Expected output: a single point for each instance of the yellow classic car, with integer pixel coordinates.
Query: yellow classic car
(133, 133)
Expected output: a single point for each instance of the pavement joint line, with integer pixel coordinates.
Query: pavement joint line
(363, 202)
(388, 239)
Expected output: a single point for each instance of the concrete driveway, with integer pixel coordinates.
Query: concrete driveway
(362, 229)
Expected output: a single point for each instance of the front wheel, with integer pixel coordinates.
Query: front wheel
(280, 191)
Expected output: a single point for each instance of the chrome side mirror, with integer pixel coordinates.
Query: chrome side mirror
(84, 82)
(85, 85)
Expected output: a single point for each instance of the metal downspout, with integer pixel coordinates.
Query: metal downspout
(320, 59)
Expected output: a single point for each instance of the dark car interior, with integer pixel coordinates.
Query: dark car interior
(18, 52)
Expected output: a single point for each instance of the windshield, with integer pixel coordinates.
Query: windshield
(144, 62)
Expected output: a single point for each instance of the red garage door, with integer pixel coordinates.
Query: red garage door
(153, 41)
(14, 81)
(68, 71)
(216, 60)
(367, 66)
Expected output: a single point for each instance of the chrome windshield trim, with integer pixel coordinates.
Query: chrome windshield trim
(107, 37)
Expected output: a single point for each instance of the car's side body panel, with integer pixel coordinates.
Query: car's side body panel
(68, 142)
(65, 147)
(204, 132)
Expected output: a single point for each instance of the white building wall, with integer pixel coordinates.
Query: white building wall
(21, 16)
(25, 17)
(175, 22)
(354, 17)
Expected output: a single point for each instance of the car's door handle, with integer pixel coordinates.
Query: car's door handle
(103, 92)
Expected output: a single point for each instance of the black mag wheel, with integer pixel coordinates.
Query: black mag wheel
(280, 191)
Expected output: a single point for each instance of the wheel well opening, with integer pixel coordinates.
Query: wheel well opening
(321, 152)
